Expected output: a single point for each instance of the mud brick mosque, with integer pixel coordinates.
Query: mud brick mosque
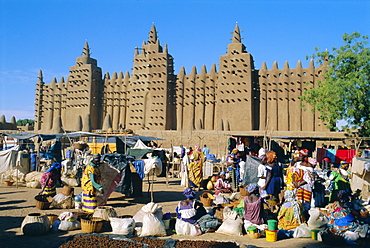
(191, 107)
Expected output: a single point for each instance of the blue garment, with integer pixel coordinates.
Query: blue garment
(330, 153)
(33, 161)
(274, 185)
(206, 151)
(139, 167)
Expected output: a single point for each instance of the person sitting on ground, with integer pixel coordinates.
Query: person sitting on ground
(190, 211)
(291, 212)
(221, 185)
(253, 205)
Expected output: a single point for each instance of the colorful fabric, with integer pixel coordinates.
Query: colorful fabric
(290, 214)
(89, 202)
(304, 195)
(341, 218)
(345, 154)
(294, 174)
(189, 193)
(48, 182)
(304, 152)
(195, 168)
(252, 187)
(86, 183)
(340, 183)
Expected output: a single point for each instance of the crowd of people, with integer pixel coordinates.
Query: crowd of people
(284, 193)
(290, 194)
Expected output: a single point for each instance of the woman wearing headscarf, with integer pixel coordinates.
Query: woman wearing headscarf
(195, 167)
(90, 184)
(253, 205)
(190, 211)
(340, 179)
(274, 178)
(221, 185)
(294, 175)
(50, 179)
(290, 214)
(304, 186)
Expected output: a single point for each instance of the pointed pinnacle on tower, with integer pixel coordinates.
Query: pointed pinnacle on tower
(40, 76)
(236, 34)
(152, 35)
(86, 50)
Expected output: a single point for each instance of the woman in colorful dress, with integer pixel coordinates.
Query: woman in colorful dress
(294, 175)
(50, 179)
(290, 214)
(340, 179)
(304, 186)
(90, 185)
(195, 167)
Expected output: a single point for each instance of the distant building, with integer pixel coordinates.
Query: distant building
(233, 97)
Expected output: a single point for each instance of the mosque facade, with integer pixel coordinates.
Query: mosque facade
(233, 97)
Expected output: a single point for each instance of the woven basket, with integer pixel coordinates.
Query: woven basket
(206, 200)
(253, 235)
(92, 225)
(41, 202)
(52, 218)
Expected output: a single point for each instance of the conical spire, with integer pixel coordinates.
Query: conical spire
(236, 35)
(152, 35)
(86, 50)
(40, 76)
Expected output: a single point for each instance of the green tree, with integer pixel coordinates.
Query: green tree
(344, 92)
(25, 121)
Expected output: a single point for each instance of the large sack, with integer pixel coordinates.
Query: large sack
(231, 227)
(185, 228)
(122, 226)
(34, 176)
(152, 225)
(317, 219)
(302, 231)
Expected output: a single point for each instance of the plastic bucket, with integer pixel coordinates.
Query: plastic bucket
(252, 229)
(272, 225)
(271, 236)
(314, 233)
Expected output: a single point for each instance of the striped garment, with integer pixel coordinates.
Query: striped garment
(89, 202)
(49, 191)
(304, 195)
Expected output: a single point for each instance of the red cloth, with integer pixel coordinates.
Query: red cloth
(320, 154)
(346, 155)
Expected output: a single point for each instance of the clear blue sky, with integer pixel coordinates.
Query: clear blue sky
(49, 35)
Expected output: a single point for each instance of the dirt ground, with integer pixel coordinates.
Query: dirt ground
(16, 203)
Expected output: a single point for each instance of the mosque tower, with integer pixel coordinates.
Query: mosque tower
(152, 87)
(84, 94)
(236, 88)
